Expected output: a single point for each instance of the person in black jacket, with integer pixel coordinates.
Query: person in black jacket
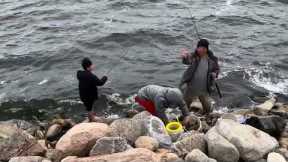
(199, 77)
(88, 83)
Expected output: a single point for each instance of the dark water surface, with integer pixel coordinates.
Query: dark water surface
(43, 41)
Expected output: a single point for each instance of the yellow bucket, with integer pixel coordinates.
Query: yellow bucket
(174, 128)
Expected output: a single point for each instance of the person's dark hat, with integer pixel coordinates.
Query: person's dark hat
(203, 43)
(86, 63)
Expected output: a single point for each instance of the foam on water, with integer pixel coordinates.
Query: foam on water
(43, 82)
(258, 77)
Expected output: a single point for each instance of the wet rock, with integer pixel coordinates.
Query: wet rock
(247, 139)
(219, 148)
(16, 142)
(186, 145)
(265, 107)
(132, 155)
(56, 130)
(22, 124)
(54, 155)
(147, 142)
(280, 110)
(212, 118)
(80, 139)
(109, 145)
(197, 155)
(54, 133)
(192, 122)
(275, 157)
(283, 140)
(273, 125)
(29, 159)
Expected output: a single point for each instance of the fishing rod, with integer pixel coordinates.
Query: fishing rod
(198, 36)
(124, 53)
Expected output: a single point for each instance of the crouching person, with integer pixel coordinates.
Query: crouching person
(156, 99)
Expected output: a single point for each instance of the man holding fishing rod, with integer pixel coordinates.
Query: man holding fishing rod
(199, 77)
(88, 83)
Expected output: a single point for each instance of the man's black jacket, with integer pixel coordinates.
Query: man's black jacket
(88, 83)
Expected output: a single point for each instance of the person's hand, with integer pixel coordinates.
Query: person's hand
(214, 76)
(184, 53)
(105, 77)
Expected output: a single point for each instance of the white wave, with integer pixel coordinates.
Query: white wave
(2, 82)
(43, 82)
(281, 86)
(116, 98)
(70, 101)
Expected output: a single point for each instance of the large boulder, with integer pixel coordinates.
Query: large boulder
(16, 142)
(275, 157)
(132, 155)
(273, 125)
(147, 142)
(198, 156)
(187, 144)
(142, 124)
(109, 145)
(155, 128)
(29, 159)
(219, 148)
(80, 139)
(251, 143)
(128, 128)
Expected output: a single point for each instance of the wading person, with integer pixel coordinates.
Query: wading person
(197, 80)
(88, 83)
(156, 99)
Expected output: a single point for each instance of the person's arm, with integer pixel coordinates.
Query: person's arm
(99, 82)
(160, 105)
(184, 109)
(188, 60)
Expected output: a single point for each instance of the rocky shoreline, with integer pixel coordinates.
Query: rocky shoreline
(259, 134)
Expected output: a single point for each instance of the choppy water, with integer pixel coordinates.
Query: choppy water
(43, 41)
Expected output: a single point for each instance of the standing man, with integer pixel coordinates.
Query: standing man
(88, 83)
(156, 99)
(199, 77)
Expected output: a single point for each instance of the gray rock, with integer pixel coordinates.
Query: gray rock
(252, 144)
(147, 142)
(187, 144)
(128, 128)
(15, 142)
(109, 145)
(219, 148)
(198, 156)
